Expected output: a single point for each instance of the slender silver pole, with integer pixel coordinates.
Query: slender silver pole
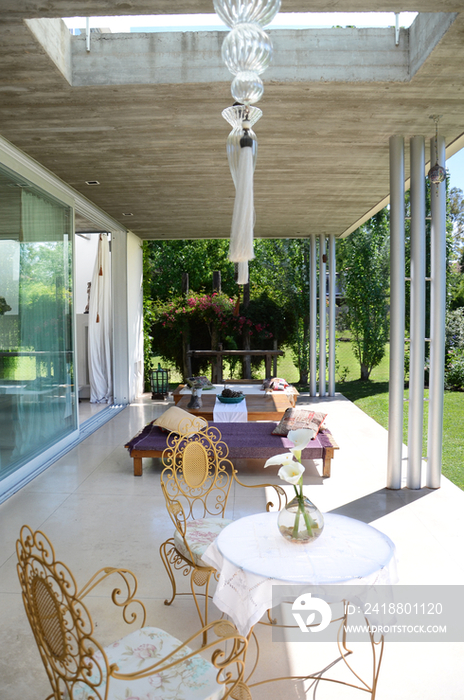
(437, 319)
(322, 315)
(313, 318)
(417, 313)
(397, 314)
(87, 34)
(332, 280)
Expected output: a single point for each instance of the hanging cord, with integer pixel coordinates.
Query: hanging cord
(436, 174)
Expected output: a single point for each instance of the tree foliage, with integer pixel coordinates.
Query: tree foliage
(203, 321)
(365, 274)
(281, 269)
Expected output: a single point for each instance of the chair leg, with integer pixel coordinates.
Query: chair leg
(200, 578)
(169, 556)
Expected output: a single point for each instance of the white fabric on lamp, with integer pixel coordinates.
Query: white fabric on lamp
(241, 235)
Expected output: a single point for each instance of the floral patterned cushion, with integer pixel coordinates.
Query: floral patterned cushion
(194, 679)
(295, 418)
(199, 535)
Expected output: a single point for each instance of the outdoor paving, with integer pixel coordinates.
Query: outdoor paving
(97, 513)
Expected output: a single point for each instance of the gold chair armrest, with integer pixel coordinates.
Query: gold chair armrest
(281, 495)
(122, 597)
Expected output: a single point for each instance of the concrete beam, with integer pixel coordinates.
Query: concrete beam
(425, 33)
(12, 9)
(55, 38)
(312, 55)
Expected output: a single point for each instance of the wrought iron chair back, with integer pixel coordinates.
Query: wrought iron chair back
(61, 624)
(197, 476)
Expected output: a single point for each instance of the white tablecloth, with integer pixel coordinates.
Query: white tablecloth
(230, 412)
(252, 556)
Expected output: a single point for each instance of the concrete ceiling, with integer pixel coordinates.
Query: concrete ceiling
(141, 113)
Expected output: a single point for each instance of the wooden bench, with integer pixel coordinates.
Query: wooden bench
(246, 387)
(218, 355)
(248, 441)
(267, 407)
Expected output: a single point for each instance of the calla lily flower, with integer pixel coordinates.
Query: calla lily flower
(300, 438)
(285, 458)
(291, 473)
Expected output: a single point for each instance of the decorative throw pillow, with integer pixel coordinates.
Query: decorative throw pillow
(295, 418)
(278, 384)
(176, 420)
(199, 382)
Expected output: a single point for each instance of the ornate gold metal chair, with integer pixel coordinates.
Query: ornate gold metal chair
(196, 482)
(147, 663)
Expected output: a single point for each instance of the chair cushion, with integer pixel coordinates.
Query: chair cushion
(194, 679)
(199, 535)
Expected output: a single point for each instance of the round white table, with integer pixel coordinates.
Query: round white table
(252, 556)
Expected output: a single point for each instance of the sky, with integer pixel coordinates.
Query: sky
(211, 22)
(455, 166)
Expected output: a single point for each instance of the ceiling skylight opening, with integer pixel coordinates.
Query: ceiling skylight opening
(211, 22)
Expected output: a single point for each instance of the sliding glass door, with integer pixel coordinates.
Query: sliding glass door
(37, 393)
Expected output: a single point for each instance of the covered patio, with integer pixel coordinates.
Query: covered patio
(97, 513)
(136, 147)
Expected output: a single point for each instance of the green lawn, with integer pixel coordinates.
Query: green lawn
(372, 398)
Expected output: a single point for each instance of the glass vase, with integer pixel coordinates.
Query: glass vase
(300, 521)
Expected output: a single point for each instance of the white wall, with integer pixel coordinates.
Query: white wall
(135, 314)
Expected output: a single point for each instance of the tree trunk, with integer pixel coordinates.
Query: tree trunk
(186, 360)
(304, 352)
(217, 281)
(246, 362)
(214, 346)
(364, 372)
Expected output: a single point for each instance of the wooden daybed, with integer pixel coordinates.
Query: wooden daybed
(253, 440)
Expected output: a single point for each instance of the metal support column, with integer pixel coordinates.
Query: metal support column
(417, 313)
(322, 315)
(437, 319)
(397, 314)
(332, 280)
(313, 317)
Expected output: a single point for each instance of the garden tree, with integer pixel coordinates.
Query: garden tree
(165, 261)
(452, 204)
(197, 318)
(456, 269)
(364, 258)
(281, 269)
(164, 264)
(456, 216)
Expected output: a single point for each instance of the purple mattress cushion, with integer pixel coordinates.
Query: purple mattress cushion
(252, 440)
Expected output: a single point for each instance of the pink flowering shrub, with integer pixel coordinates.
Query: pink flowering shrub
(204, 321)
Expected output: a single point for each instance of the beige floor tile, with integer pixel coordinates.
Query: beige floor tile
(97, 513)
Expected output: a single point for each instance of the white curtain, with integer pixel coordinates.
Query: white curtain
(100, 372)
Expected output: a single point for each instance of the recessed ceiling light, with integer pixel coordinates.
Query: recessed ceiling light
(92, 182)
(128, 214)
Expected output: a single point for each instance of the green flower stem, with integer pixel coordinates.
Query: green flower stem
(309, 522)
(296, 524)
